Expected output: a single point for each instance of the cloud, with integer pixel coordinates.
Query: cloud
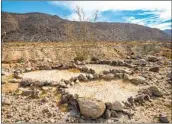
(160, 10)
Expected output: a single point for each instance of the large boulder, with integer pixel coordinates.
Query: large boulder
(91, 108)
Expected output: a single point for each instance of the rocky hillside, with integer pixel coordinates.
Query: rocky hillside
(44, 27)
(168, 31)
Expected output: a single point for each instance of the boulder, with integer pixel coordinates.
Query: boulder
(91, 108)
(82, 77)
(108, 77)
(152, 59)
(154, 69)
(138, 80)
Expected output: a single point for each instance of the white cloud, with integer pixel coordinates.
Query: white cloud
(162, 26)
(160, 9)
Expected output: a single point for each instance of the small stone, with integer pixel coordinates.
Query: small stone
(90, 76)
(138, 80)
(152, 59)
(114, 113)
(107, 114)
(26, 92)
(163, 118)
(108, 77)
(96, 76)
(154, 69)
(82, 77)
(155, 91)
(6, 102)
(26, 82)
(91, 71)
(108, 105)
(106, 72)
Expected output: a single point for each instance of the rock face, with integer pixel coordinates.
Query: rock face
(91, 108)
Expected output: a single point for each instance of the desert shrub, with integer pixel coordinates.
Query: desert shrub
(81, 55)
(146, 48)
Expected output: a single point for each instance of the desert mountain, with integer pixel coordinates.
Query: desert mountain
(44, 27)
(168, 31)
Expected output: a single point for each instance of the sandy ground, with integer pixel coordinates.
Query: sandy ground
(50, 75)
(116, 90)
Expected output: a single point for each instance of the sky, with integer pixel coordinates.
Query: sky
(155, 14)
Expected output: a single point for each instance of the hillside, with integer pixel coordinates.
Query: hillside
(168, 31)
(44, 27)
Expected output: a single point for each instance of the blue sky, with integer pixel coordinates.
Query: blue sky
(155, 14)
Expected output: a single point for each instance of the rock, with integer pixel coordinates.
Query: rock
(96, 76)
(73, 79)
(126, 77)
(163, 118)
(91, 71)
(26, 82)
(44, 67)
(62, 84)
(138, 80)
(39, 83)
(94, 59)
(107, 114)
(155, 91)
(4, 72)
(82, 77)
(106, 72)
(121, 62)
(119, 75)
(114, 113)
(91, 108)
(108, 105)
(114, 63)
(117, 106)
(141, 62)
(28, 69)
(108, 62)
(154, 69)
(84, 69)
(152, 59)
(90, 76)
(67, 82)
(108, 77)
